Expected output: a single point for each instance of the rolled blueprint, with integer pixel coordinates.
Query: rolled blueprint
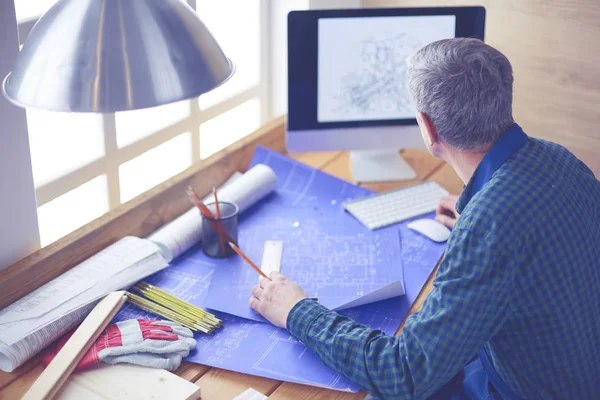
(247, 190)
(244, 190)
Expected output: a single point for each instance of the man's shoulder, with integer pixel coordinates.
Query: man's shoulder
(524, 188)
(543, 156)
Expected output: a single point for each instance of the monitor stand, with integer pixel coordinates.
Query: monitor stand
(379, 166)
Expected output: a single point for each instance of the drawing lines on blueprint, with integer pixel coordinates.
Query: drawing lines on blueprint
(378, 84)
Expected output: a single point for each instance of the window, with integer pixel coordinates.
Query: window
(229, 127)
(242, 44)
(86, 164)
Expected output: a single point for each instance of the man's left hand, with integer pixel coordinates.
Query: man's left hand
(275, 298)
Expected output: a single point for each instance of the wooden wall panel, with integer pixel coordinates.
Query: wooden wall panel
(554, 47)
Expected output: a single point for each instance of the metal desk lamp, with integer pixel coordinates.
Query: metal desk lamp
(104, 56)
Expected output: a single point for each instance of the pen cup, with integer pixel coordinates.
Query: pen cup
(215, 244)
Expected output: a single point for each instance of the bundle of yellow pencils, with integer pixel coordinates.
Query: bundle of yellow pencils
(166, 305)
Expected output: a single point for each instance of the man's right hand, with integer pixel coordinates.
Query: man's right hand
(446, 211)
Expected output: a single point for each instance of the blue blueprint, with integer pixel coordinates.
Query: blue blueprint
(260, 349)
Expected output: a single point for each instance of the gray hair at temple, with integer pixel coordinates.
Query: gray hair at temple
(464, 86)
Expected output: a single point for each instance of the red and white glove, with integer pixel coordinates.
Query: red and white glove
(151, 343)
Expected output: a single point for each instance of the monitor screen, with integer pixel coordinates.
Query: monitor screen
(362, 64)
(347, 85)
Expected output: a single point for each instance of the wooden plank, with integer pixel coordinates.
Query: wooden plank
(220, 384)
(294, 391)
(127, 381)
(26, 374)
(138, 217)
(17, 389)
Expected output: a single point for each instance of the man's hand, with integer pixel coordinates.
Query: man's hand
(275, 298)
(446, 211)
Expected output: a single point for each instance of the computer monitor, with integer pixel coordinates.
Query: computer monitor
(347, 86)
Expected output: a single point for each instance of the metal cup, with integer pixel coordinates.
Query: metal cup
(214, 243)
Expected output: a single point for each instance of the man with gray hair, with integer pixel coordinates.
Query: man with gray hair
(514, 311)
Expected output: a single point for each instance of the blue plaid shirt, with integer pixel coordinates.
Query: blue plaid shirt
(520, 278)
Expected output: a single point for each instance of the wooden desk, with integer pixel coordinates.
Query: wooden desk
(215, 383)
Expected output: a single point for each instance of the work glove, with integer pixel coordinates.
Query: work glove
(151, 343)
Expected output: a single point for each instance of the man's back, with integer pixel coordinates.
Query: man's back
(540, 212)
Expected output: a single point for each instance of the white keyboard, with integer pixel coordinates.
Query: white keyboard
(397, 205)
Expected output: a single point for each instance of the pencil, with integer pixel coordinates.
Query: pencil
(249, 261)
(197, 201)
(205, 211)
(221, 241)
(217, 203)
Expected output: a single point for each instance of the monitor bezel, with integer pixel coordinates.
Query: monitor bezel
(303, 59)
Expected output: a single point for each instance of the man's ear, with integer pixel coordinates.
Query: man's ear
(427, 129)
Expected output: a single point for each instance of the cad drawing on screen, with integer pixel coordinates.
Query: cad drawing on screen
(378, 84)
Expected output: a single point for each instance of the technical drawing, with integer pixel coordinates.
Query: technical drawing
(361, 65)
(378, 85)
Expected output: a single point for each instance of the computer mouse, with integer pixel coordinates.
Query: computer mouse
(431, 229)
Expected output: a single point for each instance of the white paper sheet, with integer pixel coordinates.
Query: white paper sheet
(390, 290)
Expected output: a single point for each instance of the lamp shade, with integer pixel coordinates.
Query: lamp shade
(105, 56)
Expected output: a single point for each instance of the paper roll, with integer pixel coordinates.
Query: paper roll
(250, 187)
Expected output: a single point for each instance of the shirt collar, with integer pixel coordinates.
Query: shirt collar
(509, 142)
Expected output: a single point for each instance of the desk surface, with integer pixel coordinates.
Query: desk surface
(221, 384)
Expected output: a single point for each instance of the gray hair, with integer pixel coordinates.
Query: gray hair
(465, 87)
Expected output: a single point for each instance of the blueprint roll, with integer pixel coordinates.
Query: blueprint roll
(245, 190)
(251, 187)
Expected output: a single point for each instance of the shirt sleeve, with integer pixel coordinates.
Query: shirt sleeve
(468, 304)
